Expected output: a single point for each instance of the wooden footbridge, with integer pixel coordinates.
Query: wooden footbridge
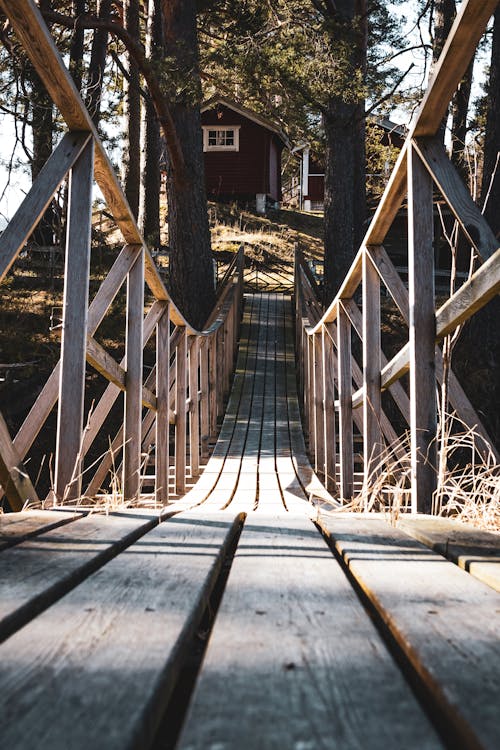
(250, 611)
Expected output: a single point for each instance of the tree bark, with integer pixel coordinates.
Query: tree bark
(191, 267)
(77, 46)
(97, 64)
(444, 14)
(345, 168)
(132, 141)
(149, 203)
(459, 112)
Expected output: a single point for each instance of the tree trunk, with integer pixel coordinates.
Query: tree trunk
(345, 168)
(77, 46)
(345, 199)
(459, 111)
(132, 141)
(191, 268)
(149, 203)
(97, 64)
(444, 14)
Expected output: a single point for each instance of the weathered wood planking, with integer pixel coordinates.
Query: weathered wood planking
(97, 668)
(13, 475)
(39, 196)
(68, 477)
(472, 549)
(444, 621)
(40, 570)
(294, 661)
(17, 527)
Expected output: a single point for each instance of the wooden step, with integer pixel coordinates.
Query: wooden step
(36, 572)
(472, 549)
(96, 669)
(294, 661)
(445, 622)
(16, 527)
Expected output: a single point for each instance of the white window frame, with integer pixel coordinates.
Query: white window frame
(208, 128)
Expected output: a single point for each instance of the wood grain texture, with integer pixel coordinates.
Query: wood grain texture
(422, 333)
(475, 550)
(372, 407)
(133, 395)
(180, 414)
(345, 402)
(457, 195)
(162, 447)
(444, 621)
(14, 477)
(68, 480)
(17, 527)
(38, 198)
(295, 656)
(37, 572)
(194, 406)
(116, 643)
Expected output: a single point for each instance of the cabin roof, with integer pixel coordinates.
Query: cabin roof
(248, 113)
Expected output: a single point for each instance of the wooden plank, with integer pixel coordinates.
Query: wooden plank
(99, 691)
(48, 396)
(372, 432)
(396, 389)
(467, 29)
(458, 399)
(39, 571)
(180, 414)
(212, 384)
(329, 409)
(318, 403)
(422, 333)
(475, 550)
(17, 527)
(456, 194)
(98, 357)
(204, 397)
(345, 402)
(471, 297)
(162, 448)
(133, 394)
(112, 391)
(14, 478)
(38, 198)
(194, 407)
(68, 479)
(301, 672)
(443, 620)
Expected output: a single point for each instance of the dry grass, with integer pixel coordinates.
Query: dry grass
(468, 488)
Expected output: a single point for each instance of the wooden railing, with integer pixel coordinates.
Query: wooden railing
(329, 377)
(193, 369)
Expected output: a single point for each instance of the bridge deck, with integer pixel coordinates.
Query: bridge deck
(321, 640)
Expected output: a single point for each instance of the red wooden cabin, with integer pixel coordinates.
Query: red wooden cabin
(242, 153)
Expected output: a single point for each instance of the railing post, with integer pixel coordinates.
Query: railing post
(372, 433)
(212, 385)
(329, 407)
(204, 397)
(163, 406)
(345, 402)
(74, 329)
(133, 393)
(319, 405)
(194, 408)
(422, 334)
(309, 396)
(180, 414)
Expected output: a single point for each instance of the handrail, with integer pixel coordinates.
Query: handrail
(196, 365)
(421, 163)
